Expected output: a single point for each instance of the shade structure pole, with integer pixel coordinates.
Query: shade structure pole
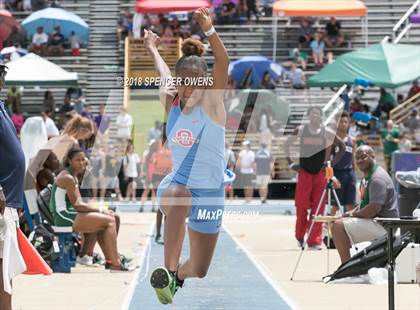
(367, 30)
(274, 37)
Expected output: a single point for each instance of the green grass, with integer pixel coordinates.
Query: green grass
(144, 113)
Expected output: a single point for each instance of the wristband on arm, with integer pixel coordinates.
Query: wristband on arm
(209, 32)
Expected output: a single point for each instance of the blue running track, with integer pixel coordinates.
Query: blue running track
(233, 282)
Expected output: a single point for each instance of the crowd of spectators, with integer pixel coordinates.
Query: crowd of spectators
(374, 122)
(29, 5)
(41, 43)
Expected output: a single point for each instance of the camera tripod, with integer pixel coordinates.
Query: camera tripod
(329, 188)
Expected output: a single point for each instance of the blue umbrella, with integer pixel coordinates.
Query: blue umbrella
(258, 64)
(51, 17)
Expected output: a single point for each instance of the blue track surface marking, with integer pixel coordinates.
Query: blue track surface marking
(233, 282)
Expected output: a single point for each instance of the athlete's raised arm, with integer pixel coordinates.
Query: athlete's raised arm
(221, 57)
(166, 93)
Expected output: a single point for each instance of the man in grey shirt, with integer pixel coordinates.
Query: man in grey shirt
(378, 199)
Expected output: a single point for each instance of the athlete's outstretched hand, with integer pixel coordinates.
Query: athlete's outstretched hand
(151, 39)
(203, 18)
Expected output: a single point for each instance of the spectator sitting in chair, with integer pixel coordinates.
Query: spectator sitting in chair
(378, 199)
(296, 77)
(317, 46)
(75, 42)
(414, 90)
(16, 38)
(56, 42)
(306, 32)
(39, 42)
(299, 57)
(68, 209)
(227, 12)
(334, 37)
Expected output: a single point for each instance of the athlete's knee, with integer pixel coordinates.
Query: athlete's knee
(337, 227)
(109, 221)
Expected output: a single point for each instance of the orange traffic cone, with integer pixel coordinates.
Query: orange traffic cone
(35, 264)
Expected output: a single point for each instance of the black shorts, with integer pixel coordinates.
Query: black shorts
(131, 180)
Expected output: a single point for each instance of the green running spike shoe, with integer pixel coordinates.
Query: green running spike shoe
(164, 284)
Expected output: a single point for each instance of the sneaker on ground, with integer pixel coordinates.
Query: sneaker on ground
(98, 259)
(123, 267)
(165, 285)
(141, 208)
(85, 260)
(125, 259)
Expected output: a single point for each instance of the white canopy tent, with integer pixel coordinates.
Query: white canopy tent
(33, 70)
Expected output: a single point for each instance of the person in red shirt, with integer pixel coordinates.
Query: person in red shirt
(414, 90)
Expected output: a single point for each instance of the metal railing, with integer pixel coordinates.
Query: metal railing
(404, 21)
(401, 112)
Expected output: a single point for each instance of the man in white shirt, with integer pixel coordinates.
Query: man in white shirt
(124, 124)
(52, 130)
(246, 166)
(39, 42)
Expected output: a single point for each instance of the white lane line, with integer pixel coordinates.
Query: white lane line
(135, 279)
(264, 272)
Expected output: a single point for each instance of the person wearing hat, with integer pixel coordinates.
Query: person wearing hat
(246, 161)
(12, 173)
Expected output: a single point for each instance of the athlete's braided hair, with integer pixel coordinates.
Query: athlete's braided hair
(192, 51)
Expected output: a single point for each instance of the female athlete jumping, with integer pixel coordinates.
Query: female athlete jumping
(196, 136)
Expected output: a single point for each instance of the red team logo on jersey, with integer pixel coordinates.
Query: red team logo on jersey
(184, 137)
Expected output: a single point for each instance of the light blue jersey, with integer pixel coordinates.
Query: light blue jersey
(197, 145)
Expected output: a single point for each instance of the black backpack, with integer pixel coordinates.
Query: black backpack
(42, 238)
(43, 202)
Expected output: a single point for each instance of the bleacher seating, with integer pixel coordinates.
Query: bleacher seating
(102, 62)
